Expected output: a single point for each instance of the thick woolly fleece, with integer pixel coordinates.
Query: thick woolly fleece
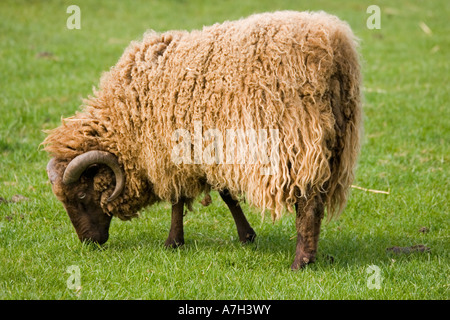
(295, 72)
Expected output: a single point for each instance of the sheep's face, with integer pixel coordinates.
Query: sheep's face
(82, 203)
(82, 196)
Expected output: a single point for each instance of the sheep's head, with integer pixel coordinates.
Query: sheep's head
(82, 185)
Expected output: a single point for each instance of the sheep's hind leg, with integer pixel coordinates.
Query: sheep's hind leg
(176, 234)
(245, 231)
(309, 213)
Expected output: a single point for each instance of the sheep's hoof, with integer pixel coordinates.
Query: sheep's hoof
(173, 243)
(249, 237)
(301, 262)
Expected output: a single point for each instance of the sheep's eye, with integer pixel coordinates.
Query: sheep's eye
(81, 195)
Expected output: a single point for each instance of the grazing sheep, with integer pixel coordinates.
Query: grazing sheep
(295, 73)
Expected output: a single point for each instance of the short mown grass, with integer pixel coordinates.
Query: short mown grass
(46, 69)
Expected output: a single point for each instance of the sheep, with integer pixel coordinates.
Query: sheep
(294, 73)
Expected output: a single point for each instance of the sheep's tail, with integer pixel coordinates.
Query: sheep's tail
(345, 98)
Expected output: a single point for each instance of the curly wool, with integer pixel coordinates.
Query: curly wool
(295, 72)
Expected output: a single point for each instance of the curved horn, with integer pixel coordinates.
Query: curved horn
(80, 163)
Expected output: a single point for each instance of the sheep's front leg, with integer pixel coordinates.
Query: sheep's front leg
(309, 213)
(176, 234)
(245, 231)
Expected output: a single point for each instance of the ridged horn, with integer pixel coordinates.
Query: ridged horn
(80, 163)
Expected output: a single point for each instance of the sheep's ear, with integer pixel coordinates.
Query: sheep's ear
(52, 171)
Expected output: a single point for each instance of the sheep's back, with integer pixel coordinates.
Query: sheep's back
(269, 71)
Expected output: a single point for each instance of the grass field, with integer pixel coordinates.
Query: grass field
(46, 69)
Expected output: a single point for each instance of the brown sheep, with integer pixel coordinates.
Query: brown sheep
(295, 74)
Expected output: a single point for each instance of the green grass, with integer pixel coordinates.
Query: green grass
(406, 151)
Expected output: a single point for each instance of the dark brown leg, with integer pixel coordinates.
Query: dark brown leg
(176, 234)
(245, 231)
(309, 213)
